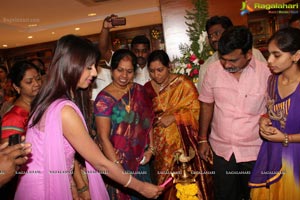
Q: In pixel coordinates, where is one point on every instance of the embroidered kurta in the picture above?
(276, 175)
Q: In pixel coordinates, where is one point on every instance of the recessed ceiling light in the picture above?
(4, 45)
(52, 32)
(30, 37)
(92, 14)
(77, 29)
(32, 25)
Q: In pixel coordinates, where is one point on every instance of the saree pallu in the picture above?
(179, 98)
(14, 122)
(129, 133)
(276, 175)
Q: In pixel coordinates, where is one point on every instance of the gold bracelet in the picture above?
(202, 141)
(285, 142)
(129, 181)
(83, 189)
(152, 149)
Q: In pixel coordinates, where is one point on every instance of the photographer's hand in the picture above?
(107, 24)
(10, 158)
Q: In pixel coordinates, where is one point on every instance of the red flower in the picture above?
(194, 72)
(201, 62)
(193, 57)
(189, 66)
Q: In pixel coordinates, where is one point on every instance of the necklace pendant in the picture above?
(127, 108)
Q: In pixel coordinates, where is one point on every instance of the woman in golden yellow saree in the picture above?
(176, 108)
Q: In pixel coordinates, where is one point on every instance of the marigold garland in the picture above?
(187, 191)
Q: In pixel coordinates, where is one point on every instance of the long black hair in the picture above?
(287, 39)
(72, 55)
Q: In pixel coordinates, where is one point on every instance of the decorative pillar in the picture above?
(174, 26)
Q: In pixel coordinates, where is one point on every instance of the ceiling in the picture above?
(46, 20)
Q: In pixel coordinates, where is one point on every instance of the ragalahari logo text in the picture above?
(246, 8)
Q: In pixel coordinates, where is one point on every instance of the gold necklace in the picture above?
(127, 106)
(161, 86)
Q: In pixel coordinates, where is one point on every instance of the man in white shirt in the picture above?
(140, 46)
(215, 26)
(102, 80)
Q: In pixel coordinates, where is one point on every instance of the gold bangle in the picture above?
(83, 189)
(152, 149)
(129, 181)
(202, 141)
(285, 142)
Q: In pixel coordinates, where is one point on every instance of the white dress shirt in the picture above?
(102, 80)
(142, 75)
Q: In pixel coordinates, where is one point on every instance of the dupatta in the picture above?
(51, 150)
(57, 160)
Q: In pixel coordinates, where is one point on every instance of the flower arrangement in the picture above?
(194, 54)
(187, 191)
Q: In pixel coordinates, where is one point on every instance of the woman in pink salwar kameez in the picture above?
(57, 130)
